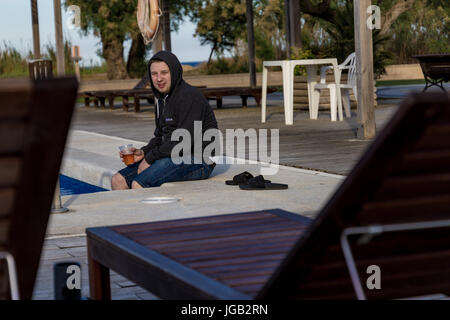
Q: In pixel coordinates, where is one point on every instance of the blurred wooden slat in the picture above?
(12, 134)
(414, 186)
(5, 224)
(15, 99)
(435, 137)
(421, 162)
(6, 200)
(9, 171)
(34, 122)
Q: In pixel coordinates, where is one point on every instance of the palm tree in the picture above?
(342, 36)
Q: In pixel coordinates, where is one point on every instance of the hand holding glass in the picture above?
(127, 154)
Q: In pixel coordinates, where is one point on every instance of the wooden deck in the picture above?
(319, 145)
(311, 144)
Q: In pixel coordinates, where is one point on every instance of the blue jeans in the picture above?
(164, 170)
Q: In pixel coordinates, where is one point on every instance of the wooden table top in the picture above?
(240, 251)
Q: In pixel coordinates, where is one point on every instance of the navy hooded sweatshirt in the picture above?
(183, 105)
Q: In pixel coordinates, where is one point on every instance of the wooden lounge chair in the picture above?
(34, 121)
(392, 213)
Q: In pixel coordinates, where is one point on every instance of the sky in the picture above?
(16, 31)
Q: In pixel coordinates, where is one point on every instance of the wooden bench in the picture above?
(34, 122)
(435, 68)
(99, 97)
(137, 95)
(244, 92)
(391, 213)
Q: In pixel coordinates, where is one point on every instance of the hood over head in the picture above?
(176, 71)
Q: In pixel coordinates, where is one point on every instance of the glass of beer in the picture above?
(128, 155)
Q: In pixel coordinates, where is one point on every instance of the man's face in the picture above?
(160, 73)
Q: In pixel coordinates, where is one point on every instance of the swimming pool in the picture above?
(71, 186)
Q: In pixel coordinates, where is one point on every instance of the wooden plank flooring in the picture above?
(311, 144)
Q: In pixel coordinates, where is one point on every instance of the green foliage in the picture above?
(399, 82)
(220, 24)
(113, 21)
(425, 28)
(12, 63)
(341, 40)
(68, 62)
(381, 56)
(179, 10)
(15, 64)
(342, 32)
(236, 64)
(263, 46)
(298, 54)
(110, 19)
(93, 69)
(137, 64)
(268, 21)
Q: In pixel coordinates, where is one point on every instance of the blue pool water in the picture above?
(70, 186)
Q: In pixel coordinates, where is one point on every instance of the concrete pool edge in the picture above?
(307, 192)
(97, 168)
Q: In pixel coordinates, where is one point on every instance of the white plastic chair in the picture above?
(350, 64)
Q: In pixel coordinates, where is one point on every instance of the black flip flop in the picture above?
(241, 178)
(258, 183)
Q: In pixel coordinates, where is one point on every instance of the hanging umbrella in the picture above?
(148, 13)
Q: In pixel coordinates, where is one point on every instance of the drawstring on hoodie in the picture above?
(157, 105)
(157, 108)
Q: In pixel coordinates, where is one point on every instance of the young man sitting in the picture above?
(177, 106)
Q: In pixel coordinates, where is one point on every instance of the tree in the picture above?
(269, 22)
(336, 18)
(393, 13)
(112, 20)
(136, 64)
(342, 36)
(326, 10)
(425, 28)
(220, 24)
(251, 42)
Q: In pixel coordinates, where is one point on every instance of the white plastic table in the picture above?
(287, 67)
